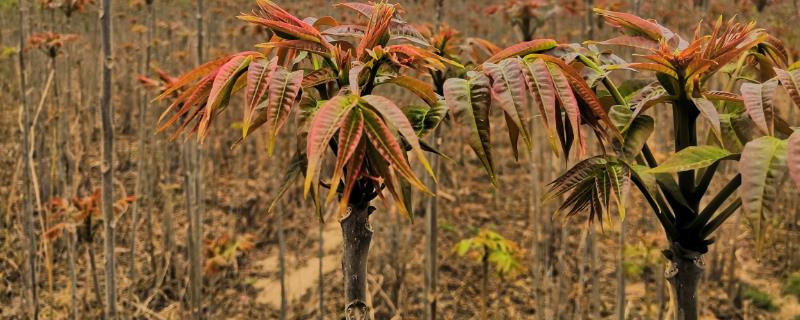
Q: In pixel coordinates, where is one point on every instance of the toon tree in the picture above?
(329, 70)
(333, 78)
(571, 87)
(743, 127)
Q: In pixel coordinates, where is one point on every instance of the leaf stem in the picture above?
(721, 218)
(717, 201)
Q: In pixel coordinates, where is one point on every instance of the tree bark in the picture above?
(106, 113)
(195, 201)
(321, 283)
(431, 212)
(27, 212)
(282, 264)
(485, 284)
(141, 170)
(621, 273)
(683, 274)
(357, 235)
(73, 283)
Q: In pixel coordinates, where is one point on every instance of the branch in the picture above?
(721, 218)
(648, 155)
(705, 181)
(663, 218)
(373, 72)
(715, 203)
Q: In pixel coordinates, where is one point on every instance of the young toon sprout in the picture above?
(569, 84)
(326, 72)
(744, 128)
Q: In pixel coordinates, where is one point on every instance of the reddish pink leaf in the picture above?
(350, 132)
(325, 123)
(396, 118)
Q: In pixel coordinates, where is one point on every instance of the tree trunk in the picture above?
(683, 274)
(141, 170)
(321, 283)
(485, 284)
(621, 273)
(357, 235)
(195, 201)
(431, 211)
(27, 211)
(282, 264)
(107, 197)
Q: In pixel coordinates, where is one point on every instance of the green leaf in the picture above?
(762, 166)
(730, 141)
(470, 101)
(463, 246)
(709, 112)
(691, 158)
(591, 184)
(426, 119)
(647, 178)
(793, 157)
(630, 87)
(759, 102)
(620, 178)
(620, 116)
(292, 173)
(636, 136)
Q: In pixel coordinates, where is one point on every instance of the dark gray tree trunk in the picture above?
(683, 274)
(357, 235)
